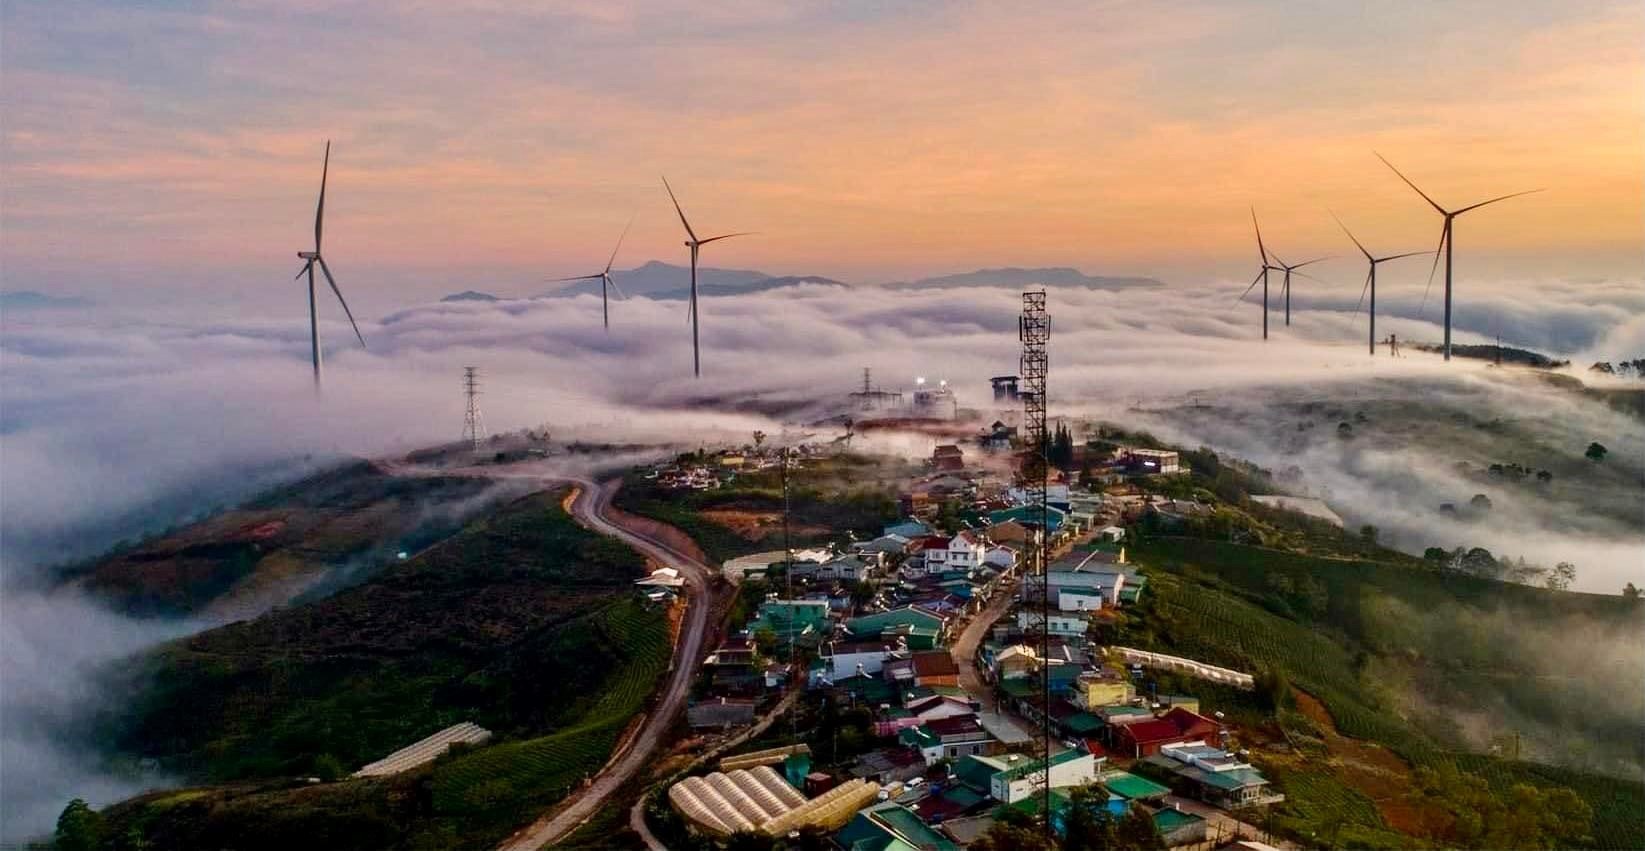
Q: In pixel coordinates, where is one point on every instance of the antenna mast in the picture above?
(1034, 329)
(473, 429)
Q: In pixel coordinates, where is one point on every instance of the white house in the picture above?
(1025, 777)
(966, 550)
(1111, 533)
(843, 659)
(1079, 600)
(1059, 624)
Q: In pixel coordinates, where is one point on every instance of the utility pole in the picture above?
(473, 429)
(1034, 330)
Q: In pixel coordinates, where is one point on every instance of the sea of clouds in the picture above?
(118, 423)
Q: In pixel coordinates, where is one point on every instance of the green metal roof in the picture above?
(1167, 820)
(963, 796)
(1131, 786)
(1081, 723)
(909, 827)
(976, 771)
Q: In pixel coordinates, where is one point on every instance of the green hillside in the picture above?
(524, 623)
(1397, 655)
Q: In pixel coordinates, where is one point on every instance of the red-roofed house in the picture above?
(935, 668)
(1145, 738)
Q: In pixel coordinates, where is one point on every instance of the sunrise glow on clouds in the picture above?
(175, 149)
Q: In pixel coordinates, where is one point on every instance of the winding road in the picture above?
(592, 508)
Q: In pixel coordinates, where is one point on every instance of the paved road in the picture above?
(592, 509)
(964, 649)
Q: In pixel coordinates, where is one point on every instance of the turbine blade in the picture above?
(1277, 260)
(1249, 288)
(340, 300)
(689, 232)
(302, 270)
(612, 282)
(575, 278)
(1306, 275)
(726, 236)
(320, 211)
(1260, 249)
(1444, 234)
(619, 245)
(1351, 235)
(1362, 292)
(1494, 200)
(1312, 262)
(1408, 182)
(1398, 256)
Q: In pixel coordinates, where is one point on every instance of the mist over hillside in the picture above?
(111, 418)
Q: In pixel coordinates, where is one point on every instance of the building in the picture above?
(1179, 726)
(1059, 624)
(1177, 827)
(1147, 462)
(845, 568)
(792, 619)
(1005, 388)
(1026, 776)
(885, 624)
(947, 738)
(1212, 775)
(948, 457)
(1107, 687)
(935, 668)
(720, 713)
(891, 827)
(964, 551)
(843, 659)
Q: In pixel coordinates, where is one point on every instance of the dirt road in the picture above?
(592, 508)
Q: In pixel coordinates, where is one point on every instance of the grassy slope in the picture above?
(524, 622)
(839, 494)
(1211, 600)
(345, 514)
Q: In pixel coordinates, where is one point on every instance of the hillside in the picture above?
(281, 544)
(524, 623)
(1437, 668)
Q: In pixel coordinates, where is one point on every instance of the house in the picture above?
(1058, 624)
(876, 625)
(1013, 662)
(947, 738)
(891, 825)
(1212, 775)
(889, 765)
(948, 457)
(884, 545)
(938, 706)
(1010, 532)
(1131, 787)
(720, 713)
(1111, 533)
(1179, 726)
(964, 551)
(1000, 558)
(1107, 687)
(846, 568)
(1178, 827)
(935, 668)
(909, 528)
(1147, 462)
(1026, 776)
(791, 619)
(843, 659)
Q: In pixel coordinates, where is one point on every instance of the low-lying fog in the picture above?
(113, 425)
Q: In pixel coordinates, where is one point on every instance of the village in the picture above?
(917, 664)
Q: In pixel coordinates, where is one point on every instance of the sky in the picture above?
(169, 152)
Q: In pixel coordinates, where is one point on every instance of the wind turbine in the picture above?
(693, 243)
(1371, 278)
(1288, 269)
(313, 257)
(1262, 275)
(1446, 236)
(607, 283)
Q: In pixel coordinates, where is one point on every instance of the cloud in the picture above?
(116, 422)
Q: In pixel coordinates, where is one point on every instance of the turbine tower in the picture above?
(1286, 287)
(693, 243)
(312, 258)
(607, 283)
(1262, 275)
(1371, 278)
(1446, 236)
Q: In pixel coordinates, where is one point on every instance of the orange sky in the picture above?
(484, 143)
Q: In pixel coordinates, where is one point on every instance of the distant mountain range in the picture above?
(1054, 276)
(31, 300)
(660, 280)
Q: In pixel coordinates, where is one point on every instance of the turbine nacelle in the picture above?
(309, 255)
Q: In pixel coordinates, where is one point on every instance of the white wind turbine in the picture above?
(313, 258)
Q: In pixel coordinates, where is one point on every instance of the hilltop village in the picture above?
(921, 646)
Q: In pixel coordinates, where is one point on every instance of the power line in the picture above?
(473, 428)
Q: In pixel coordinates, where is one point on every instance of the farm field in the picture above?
(1355, 646)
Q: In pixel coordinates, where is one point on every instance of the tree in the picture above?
(1013, 831)
(1368, 533)
(1273, 688)
(1630, 592)
(863, 592)
(79, 828)
(1596, 452)
(1136, 832)
(1438, 555)
(1544, 476)
(1480, 502)
(1561, 577)
(759, 439)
